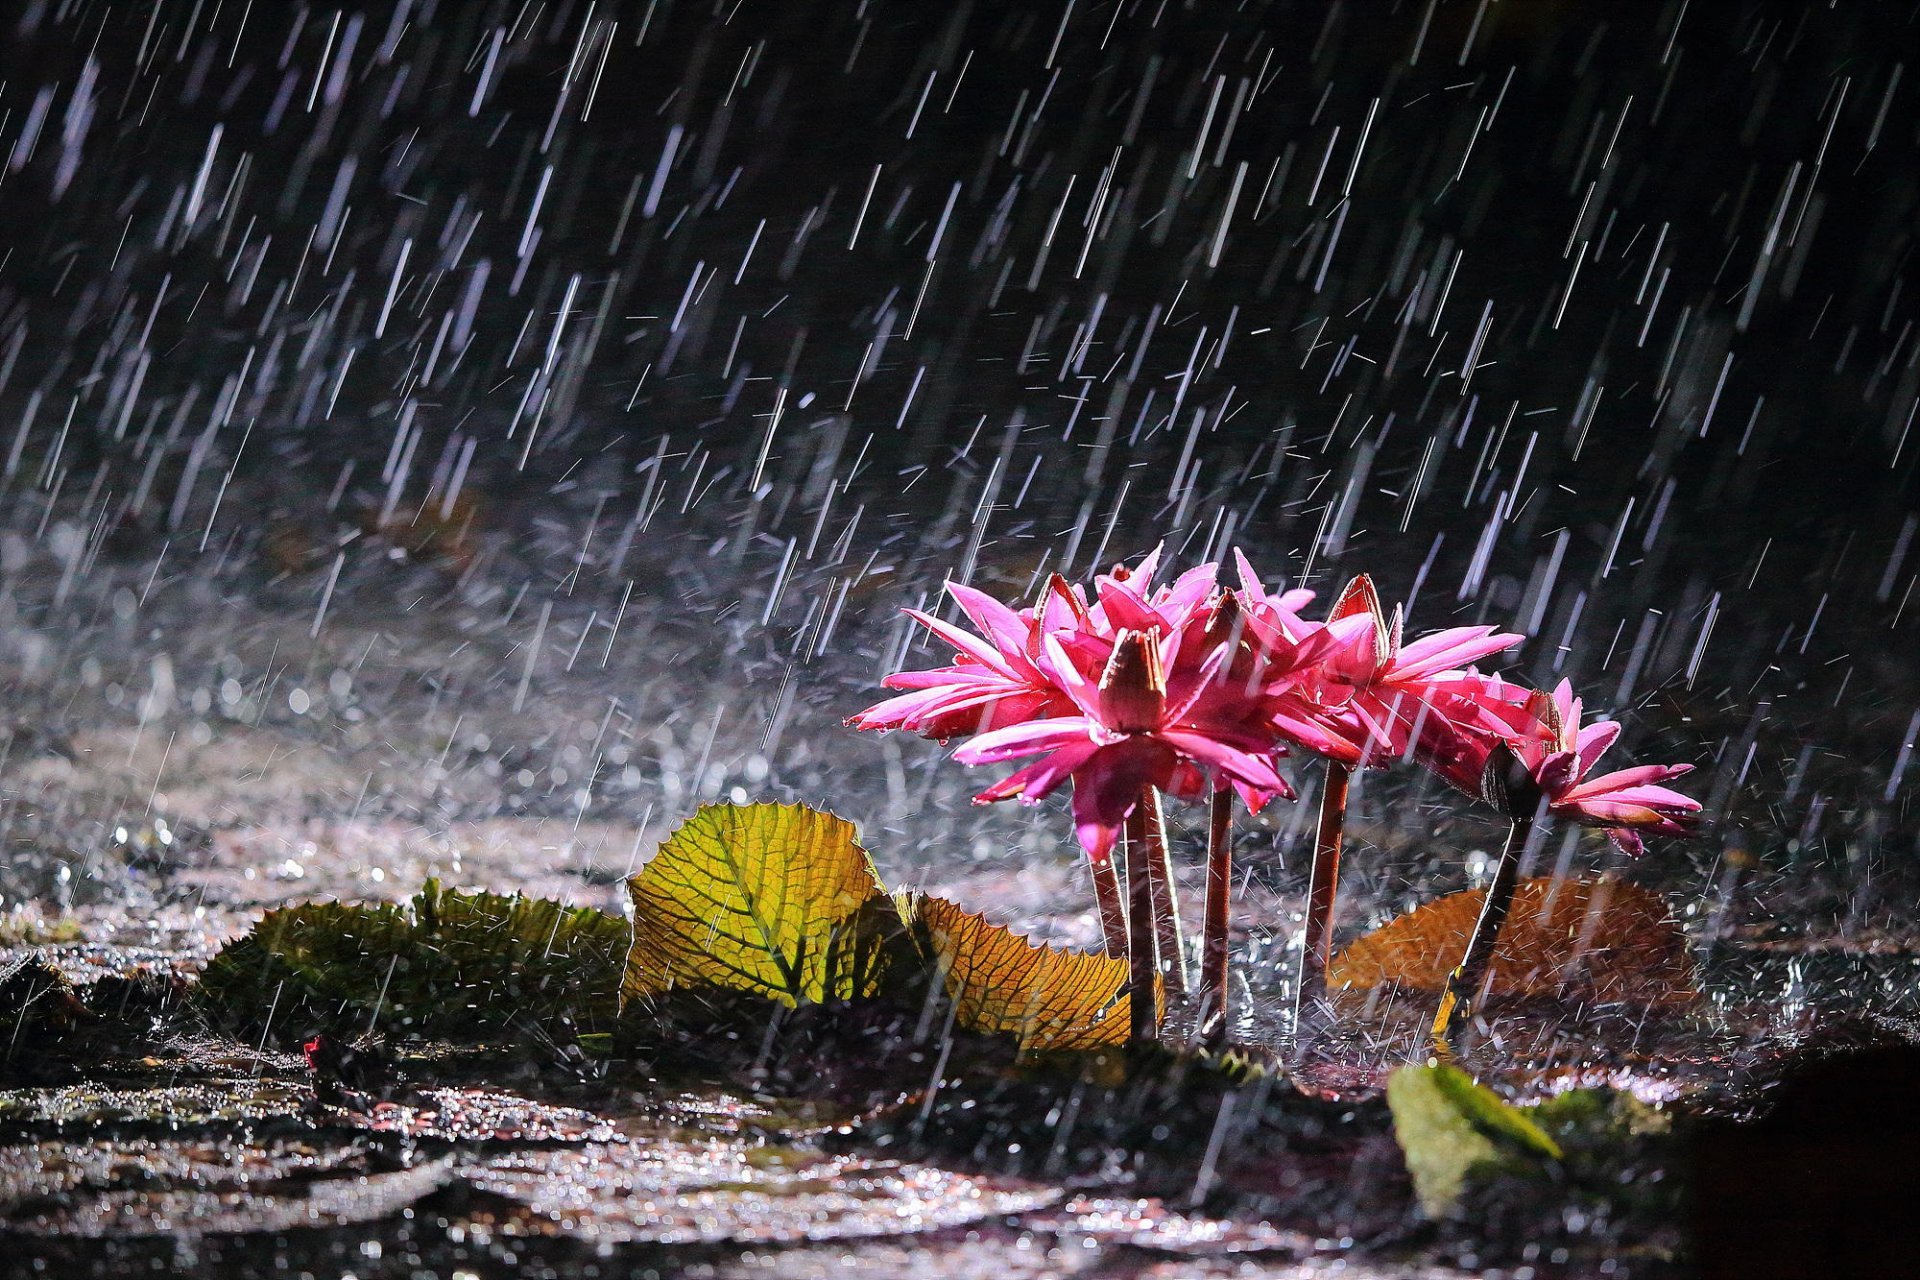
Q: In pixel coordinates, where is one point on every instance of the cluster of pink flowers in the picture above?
(1194, 684)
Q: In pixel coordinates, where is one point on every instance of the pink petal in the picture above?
(1569, 708)
(1646, 797)
(1607, 813)
(1638, 776)
(940, 677)
(1108, 785)
(1059, 613)
(1592, 742)
(1033, 782)
(1294, 601)
(1434, 653)
(1556, 773)
(1124, 609)
(1248, 767)
(1026, 739)
(898, 713)
(996, 621)
(1249, 580)
(1189, 591)
(1256, 799)
(1084, 692)
(1180, 699)
(1628, 842)
(963, 641)
(1315, 736)
(1142, 573)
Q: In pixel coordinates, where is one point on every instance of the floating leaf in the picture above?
(1599, 940)
(1453, 1130)
(1045, 997)
(447, 964)
(778, 900)
(723, 1192)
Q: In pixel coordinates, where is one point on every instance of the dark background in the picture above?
(752, 320)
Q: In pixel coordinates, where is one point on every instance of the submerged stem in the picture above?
(1463, 984)
(1142, 990)
(1213, 946)
(1113, 909)
(1316, 946)
(1168, 939)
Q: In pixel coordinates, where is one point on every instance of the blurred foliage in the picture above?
(447, 964)
(37, 1006)
(1453, 1129)
(1586, 1158)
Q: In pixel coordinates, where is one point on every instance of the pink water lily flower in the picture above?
(1133, 730)
(1384, 696)
(1120, 692)
(1543, 730)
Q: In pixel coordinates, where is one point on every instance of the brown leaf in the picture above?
(1046, 997)
(1596, 940)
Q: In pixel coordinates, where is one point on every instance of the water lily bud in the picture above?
(1223, 618)
(1133, 688)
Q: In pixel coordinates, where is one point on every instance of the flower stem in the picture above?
(1143, 992)
(1213, 947)
(1169, 942)
(1113, 910)
(1316, 947)
(1463, 984)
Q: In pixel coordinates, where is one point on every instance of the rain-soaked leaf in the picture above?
(1598, 940)
(1045, 997)
(1452, 1129)
(120, 1190)
(724, 1192)
(778, 900)
(447, 963)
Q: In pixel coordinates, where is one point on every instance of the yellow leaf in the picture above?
(764, 898)
(1045, 997)
(1594, 940)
